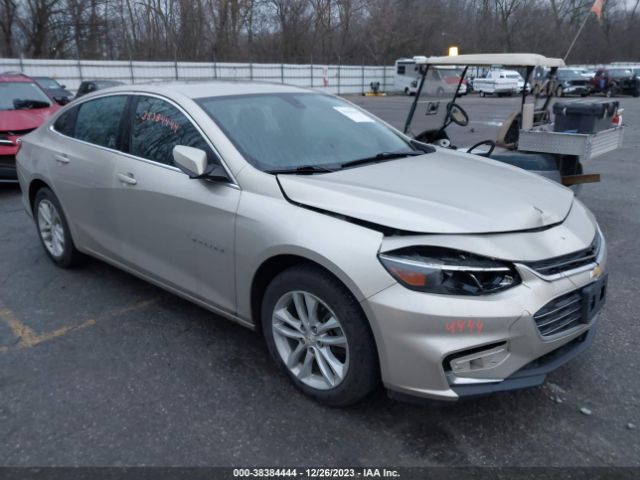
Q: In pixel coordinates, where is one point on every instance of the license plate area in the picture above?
(594, 297)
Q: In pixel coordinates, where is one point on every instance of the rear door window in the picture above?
(98, 121)
(158, 126)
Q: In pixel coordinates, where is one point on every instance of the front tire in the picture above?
(317, 333)
(53, 229)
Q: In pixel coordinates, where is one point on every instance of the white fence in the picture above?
(331, 78)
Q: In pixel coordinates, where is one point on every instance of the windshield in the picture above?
(620, 72)
(435, 96)
(46, 82)
(288, 131)
(455, 73)
(10, 91)
(569, 74)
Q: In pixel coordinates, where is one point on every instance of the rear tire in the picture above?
(318, 335)
(53, 229)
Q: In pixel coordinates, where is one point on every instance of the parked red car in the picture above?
(615, 81)
(23, 107)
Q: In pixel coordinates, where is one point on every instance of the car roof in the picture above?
(505, 59)
(15, 77)
(211, 88)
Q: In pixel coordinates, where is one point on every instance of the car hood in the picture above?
(17, 120)
(58, 92)
(441, 192)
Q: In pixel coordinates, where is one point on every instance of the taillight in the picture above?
(617, 118)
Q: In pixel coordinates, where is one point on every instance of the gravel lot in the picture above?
(100, 368)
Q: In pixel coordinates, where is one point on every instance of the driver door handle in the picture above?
(61, 158)
(127, 178)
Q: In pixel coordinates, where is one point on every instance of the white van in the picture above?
(499, 82)
(439, 81)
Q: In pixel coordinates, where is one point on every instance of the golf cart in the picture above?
(527, 138)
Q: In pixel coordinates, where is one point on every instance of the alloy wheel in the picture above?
(310, 340)
(51, 228)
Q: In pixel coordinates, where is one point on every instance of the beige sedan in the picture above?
(361, 255)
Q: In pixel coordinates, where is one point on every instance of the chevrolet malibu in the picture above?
(360, 254)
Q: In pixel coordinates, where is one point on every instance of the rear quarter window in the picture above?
(66, 122)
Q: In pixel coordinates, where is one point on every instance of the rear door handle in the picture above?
(127, 178)
(61, 158)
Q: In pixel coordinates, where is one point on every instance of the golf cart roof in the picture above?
(505, 59)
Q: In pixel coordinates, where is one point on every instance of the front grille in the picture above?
(560, 314)
(567, 262)
(7, 160)
(18, 133)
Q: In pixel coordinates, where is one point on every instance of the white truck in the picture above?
(498, 82)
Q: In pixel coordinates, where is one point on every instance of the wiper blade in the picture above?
(26, 103)
(303, 170)
(381, 157)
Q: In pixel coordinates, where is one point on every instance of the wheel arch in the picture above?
(276, 264)
(36, 185)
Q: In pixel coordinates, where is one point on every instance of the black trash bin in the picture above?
(578, 117)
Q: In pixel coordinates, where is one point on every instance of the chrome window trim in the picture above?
(232, 183)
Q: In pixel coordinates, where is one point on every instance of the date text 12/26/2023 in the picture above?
(315, 473)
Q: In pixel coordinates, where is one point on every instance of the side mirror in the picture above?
(63, 86)
(193, 162)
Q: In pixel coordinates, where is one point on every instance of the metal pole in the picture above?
(251, 71)
(384, 78)
(311, 72)
(21, 63)
(577, 35)
(282, 73)
(131, 70)
(215, 70)
(338, 75)
(414, 104)
(80, 69)
(363, 92)
(175, 66)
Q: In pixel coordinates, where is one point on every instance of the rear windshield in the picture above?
(12, 91)
(46, 82)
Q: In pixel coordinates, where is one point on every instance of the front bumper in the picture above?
(531, 375)
(8, 163)
(576, 90)
(444, 347)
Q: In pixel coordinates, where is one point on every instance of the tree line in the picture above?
(314, 31)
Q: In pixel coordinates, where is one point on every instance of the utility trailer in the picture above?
(527, 137)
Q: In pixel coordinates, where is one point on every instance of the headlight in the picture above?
(446, 271)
